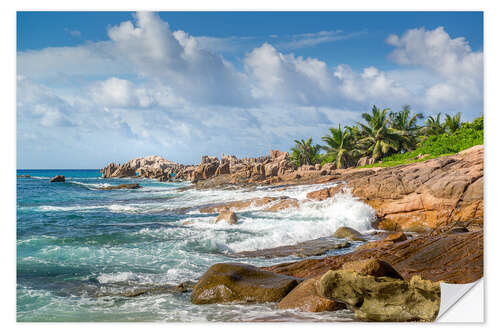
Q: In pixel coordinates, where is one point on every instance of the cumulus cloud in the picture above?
(151, 90)
(452, 59)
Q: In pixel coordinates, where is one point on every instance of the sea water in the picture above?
(80, 248)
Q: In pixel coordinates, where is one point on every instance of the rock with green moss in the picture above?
(382, 298)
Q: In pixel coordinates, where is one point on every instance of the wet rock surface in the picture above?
(305, 298)
(121, 187)
(240, 283)
(58, 179)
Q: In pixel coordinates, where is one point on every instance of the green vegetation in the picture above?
(447, 143)
(305, 153)
(391, 138)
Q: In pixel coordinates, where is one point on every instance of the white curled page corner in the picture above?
(451, 300)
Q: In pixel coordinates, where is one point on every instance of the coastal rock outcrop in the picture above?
(452, 258)
(422, 196)
(145, 167)
(240, 283)
(382, 298)
(58, 179)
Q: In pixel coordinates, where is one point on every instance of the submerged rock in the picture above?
(240, 283)
(58, 179)
(23, 176)
(121, 186)
(228, 216)
(348, 233)
(306, 298)
(382, 298)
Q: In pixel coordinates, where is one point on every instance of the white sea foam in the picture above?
(117, 277)
(311, 220)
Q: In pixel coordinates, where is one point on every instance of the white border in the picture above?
(492, 111)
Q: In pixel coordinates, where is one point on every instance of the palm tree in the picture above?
(407, 127)
(305, 153)
(434, 125)
(340, 146)
(378, 139)
(452, 123)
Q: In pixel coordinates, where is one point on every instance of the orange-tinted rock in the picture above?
(240, 205)
(374, 244)
(304, 297)
(228, 216)
(325, 193)
(396, 237)
(452, 258)
(372, 267)
(283, 204)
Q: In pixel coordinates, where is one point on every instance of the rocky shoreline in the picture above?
(429, 217)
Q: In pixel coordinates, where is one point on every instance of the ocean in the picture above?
(81, 250)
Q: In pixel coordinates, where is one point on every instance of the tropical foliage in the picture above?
(341, 146)
(391, 138)
(305, 153)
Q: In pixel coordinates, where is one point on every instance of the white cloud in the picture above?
(452, 59)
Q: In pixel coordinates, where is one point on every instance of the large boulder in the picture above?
(240, 283)
(58, 179)
(228, 216)
(305, 298)
(382, 298)
(348, 233)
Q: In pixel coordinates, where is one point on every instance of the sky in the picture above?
(97, 87)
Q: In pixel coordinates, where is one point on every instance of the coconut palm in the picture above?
(452, 123)
(340, 146)
(305, 153)
(378, 139)
(434, 125)
(407, 127)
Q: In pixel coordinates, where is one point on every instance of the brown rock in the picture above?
(305, 298)
(452, 258)
(283, 204)
(240, 205)
(58, 179)
(383, 298)
(372, 267)
(396, 237)
(374, 244)
(348, 233)
(240, 283)
(121, 186)
(228, 216)
(325, 193)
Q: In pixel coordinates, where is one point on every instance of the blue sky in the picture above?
(95, 87)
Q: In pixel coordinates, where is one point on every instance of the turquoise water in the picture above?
(79, 248)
